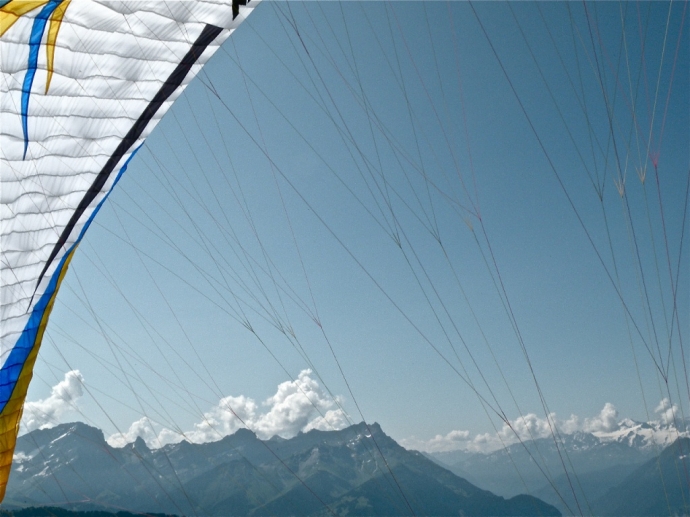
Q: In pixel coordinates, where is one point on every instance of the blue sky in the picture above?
(413, 139)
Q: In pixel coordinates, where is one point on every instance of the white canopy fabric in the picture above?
(84, 82)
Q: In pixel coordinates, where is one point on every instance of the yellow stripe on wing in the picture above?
(11, 12)
(55, 22)
(12, 413)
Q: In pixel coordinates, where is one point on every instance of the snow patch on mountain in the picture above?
(643, 434)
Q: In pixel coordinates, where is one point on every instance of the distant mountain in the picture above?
(525, 466)
(356, 471)
(594, 462)
(661, 486)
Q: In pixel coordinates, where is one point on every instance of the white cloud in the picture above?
(299, 405)
(302, 405)
(141, 427)
(49, 411)
(292, 407)
(529, 427)
(606, 421)
(454, 440)
(572, 425)
(332, 419)
(606, 425)
(223, 419)
(666, 411)
(523, 428)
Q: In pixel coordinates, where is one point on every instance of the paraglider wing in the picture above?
(83, 84)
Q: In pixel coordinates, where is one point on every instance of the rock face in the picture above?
(356, 471)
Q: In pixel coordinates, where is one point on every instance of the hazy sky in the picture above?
(428, 194)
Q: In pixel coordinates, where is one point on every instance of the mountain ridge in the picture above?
(355, 471)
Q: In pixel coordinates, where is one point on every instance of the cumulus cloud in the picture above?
(292, 407)
(302, 405)
(529, 427)
(452, 441)
(523, 428)
(526, 427)
(571, 425)
(607, 425)
(666, 411)
(223, 419)
(49, 411)
(142, 427)
(332, 419)
(606, 421)
(299, 405)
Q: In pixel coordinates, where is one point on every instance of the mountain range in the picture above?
(603, 469)
(356, 471)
